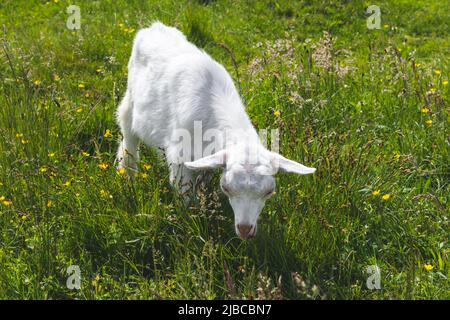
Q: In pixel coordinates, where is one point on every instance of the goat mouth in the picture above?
(250, 234)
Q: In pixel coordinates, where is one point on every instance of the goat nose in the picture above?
(245, 230)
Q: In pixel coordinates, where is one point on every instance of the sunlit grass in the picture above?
(368, 108)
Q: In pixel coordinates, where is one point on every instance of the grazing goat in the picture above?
(175, 90)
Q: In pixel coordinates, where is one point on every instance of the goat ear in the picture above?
(215, 160)
(286, 165)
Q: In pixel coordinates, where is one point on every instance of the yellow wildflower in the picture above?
(49, 203)
(79, 110)
(103, 166)
(437, 72)
(147, 167)
(105, 194)
(2, 198)
(51, 154)
(37, 82)
(56, 77)
(43, 170)
(144, 175)
(429, 122)
(445, 82)
(23, 141)
(81, 86)
(121, 171)
(277, 114)
(425, 110)
(84, 154)
(95, 281)
(107, 133)
(417, 65)
(386, 197)
(428, 267)
(7, 202)
(376, 193)
(19, 135)
(67, 184)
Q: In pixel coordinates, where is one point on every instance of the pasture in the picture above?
(369, 108)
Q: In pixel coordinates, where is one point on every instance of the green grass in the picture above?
(355, 113)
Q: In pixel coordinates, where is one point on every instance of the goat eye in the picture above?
(268, 194)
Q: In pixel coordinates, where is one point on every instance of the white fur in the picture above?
(172, 84)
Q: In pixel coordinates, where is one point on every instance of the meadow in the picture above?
(369, 108)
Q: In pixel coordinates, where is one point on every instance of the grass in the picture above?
(368, 108)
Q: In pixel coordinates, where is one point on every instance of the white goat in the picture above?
(172, 87)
